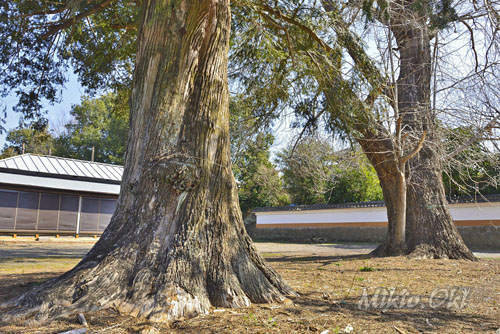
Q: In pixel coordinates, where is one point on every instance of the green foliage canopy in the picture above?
(258, 180)
(40, 41)
(101, 123)
(38, 141)
(315, 173)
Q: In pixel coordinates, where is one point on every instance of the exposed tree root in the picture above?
(426, 251)
(181, 289)
(86, 290)
(386, 249)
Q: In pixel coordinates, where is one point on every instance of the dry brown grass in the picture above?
(330, 288)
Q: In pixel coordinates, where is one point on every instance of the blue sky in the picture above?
(71, 94)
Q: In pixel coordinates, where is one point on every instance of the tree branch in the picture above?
(54, 29)
(296, 23)
(350, 42)
(345, 38)
(417, 149)
(473, 44)
(477, 137)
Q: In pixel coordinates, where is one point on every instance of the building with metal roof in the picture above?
(52, 195)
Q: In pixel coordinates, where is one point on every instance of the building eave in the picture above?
(78, 184)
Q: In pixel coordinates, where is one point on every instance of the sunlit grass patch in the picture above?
(272, 254)
(33, 265)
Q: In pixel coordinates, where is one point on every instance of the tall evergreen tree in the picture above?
(176, 244)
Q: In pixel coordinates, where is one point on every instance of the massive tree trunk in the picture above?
(176, 244)
(430, 229)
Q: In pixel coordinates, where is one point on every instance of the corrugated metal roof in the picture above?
(62, 167)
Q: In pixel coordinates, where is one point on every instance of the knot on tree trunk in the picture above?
(179, 170)
(180, 175)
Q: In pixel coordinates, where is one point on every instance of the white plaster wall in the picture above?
(463, 211)
(352, 215)
(480, 211)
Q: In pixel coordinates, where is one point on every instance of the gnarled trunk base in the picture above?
(441, 248)
(431, 232)
(175, 283)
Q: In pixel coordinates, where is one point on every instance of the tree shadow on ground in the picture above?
(13, 285)
(7, 254)
(353, 246)
(422, 318)
(319, 258)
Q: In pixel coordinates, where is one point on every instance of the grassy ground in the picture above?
(337, 286)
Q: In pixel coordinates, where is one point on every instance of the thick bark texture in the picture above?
(176, 244)
(430, 229)
(381, 154)
(431, 232)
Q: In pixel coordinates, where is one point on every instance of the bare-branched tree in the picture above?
(374, 70)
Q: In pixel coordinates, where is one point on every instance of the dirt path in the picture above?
(28, 248)
(77, 248)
